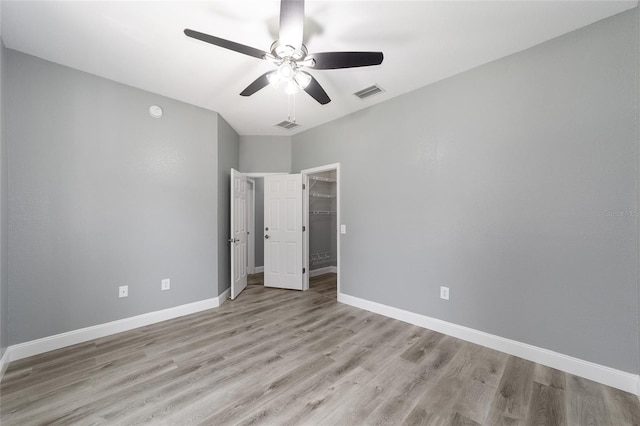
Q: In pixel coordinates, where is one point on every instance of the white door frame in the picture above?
(305, 218)
(251, 225)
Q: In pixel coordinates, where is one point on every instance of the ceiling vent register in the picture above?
(369, 91)
(287, 125)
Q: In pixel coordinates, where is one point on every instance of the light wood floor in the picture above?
(277, 357)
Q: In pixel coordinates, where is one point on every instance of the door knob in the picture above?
(266, 237)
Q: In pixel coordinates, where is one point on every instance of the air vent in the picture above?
(287, 125)
(369, 91)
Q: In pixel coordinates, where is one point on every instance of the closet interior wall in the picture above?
(322, 222)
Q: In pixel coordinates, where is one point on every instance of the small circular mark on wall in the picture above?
(155, 111)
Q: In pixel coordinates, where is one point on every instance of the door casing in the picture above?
(251, 225)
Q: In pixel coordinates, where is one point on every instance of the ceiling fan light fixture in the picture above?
(302, 79)
(291, 88)
(286, 71)
(274, 78)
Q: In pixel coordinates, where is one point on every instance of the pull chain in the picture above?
(291, 111)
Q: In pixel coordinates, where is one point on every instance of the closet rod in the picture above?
(318, 195)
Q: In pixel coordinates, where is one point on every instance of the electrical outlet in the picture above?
(343, 229)
(444, 293)
(166, 284)
(123, 291)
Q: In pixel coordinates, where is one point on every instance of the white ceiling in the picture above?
(141, 44)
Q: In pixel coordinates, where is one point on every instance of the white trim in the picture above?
(324, 270)
(319, 169)
(221, 298)
(599, 373)
(259, 269)
(50, 343)
(4, 362)
(251, 225)
(254, 175)
(305, 235)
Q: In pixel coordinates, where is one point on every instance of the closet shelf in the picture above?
(322, 179)
(323, 262)
(318, 195)
(322, 212)
(322, 258)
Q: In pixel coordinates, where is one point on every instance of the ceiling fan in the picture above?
(290, 56)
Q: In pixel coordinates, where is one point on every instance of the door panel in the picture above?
(291, 264)
(283, 232)
(238, 238)
(274, 255)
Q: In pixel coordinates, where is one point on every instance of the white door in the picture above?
(238, 233)
(283, 231)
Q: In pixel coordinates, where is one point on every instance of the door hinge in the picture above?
(304, 186)
(304, 228)
(304, 270)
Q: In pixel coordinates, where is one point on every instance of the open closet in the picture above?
(322, 223)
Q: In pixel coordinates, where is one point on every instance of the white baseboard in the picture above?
(258, 269)
(4, 362)
(50, 343)
(325, 270)
(224, 296)
(599, 373)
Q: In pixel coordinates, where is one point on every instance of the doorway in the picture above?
(320, 245)
(255, 216)
(321, 215)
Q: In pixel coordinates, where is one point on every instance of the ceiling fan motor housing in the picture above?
(282, 51)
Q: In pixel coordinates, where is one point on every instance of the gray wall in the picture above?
(228, 146)
(265, 154)
(515, 184)
(101, 195)
(4, 287)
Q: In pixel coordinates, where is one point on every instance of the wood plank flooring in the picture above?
(281, 357)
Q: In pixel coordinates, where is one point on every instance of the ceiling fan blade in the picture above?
(258, 84)
(291, 23)
(231, 45)
(316, 91)
(335, 60)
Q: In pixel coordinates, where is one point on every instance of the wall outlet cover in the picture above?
(444, 293)
(166, 284)
(123, 291)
